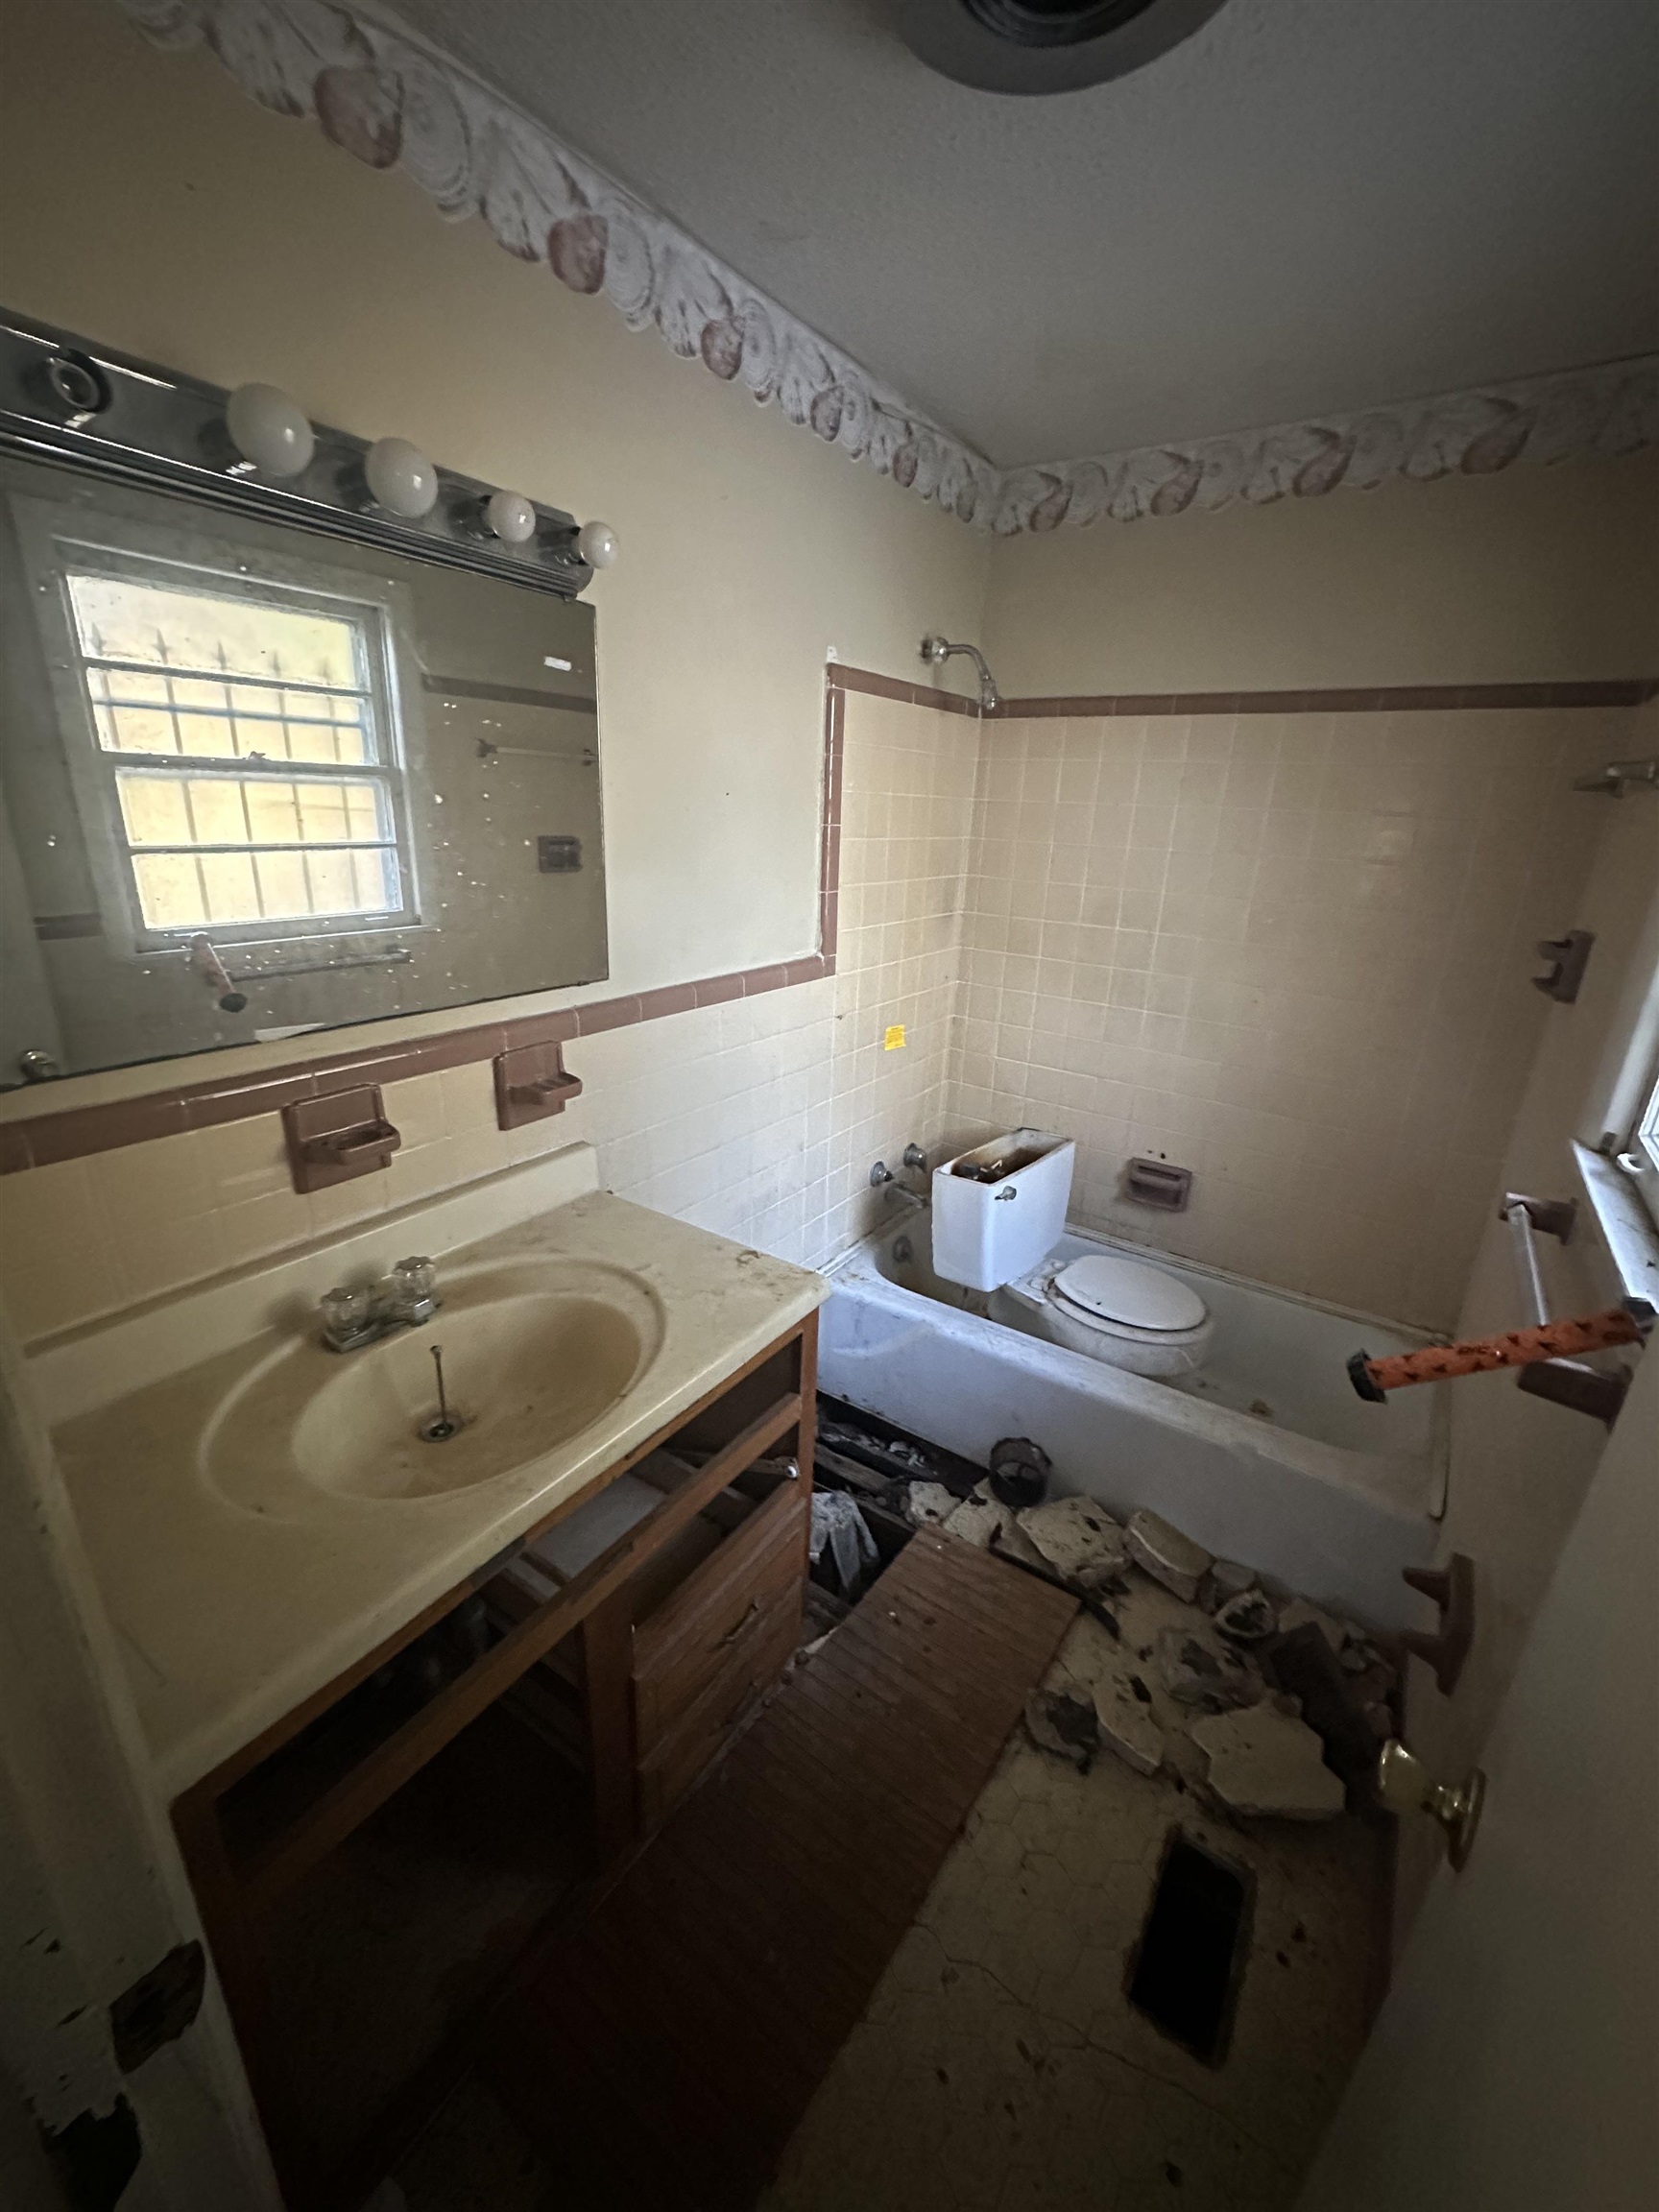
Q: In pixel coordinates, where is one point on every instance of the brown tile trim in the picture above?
(842, 677)
(82, 1130)
(42, 1140)
(45, 1139)
(1389, 698)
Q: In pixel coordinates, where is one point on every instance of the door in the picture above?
(1515, 2063)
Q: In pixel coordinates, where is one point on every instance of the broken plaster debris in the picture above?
(1123, 1709)
(929, 1503)
(1199, 1671)
(1064, 1724)
(1167, 1555)
(979, 1517)
(1264, 1762)
(1079, 1538)
(1301, 1661)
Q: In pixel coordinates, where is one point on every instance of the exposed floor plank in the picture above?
(666, 2051)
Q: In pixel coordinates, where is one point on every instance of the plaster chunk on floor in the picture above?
(979, 1517)
(1064, 1723)
(1167, 1555)
(1199, 1671)
(929, 1503)
(1228, 1580)
(1123, 1709)
(1262, 1762)
(1078, 1538)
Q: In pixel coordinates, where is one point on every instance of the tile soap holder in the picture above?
(1155, 1183)
(532, 1082)
(337, 1139)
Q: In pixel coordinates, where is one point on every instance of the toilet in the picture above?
(997, 1214)
(1127, 1312)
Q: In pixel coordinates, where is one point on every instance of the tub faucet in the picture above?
(882, 1177)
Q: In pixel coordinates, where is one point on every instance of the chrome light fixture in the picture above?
(255, 451)
(1044, 45)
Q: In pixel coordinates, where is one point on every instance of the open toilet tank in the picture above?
(998, 1212)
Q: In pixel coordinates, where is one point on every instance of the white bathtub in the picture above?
(1269, 1457)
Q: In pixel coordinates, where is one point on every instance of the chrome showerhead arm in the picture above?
(937, 650)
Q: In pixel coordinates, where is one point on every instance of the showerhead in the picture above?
(935, 651)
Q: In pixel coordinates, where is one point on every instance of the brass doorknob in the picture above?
(1405, 1785)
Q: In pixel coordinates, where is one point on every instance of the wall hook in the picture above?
(1567, 957)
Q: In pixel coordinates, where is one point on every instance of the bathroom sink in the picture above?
(532, 1355)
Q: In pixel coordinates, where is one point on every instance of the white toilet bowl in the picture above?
(1126, 1313)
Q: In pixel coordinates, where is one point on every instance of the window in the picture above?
(1644, 1147)
(244, 753)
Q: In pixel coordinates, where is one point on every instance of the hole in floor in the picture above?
(1186, 1969)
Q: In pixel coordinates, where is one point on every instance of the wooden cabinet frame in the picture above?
(235, 1888)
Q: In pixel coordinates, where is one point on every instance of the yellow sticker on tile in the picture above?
(894, 1040)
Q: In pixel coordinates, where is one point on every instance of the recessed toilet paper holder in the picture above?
(1156, 1183)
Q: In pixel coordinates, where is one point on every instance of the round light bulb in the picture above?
(511, 517)
(268, 430)
(400, 477)
(596, 542)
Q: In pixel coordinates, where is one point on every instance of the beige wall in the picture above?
(758, 1118)
(1520, 1466)
(1290, 952)
(146, 201)
(1532, 576)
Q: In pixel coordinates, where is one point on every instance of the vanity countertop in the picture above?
(228, 1617)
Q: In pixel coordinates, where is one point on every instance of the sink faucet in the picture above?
(355, 1314)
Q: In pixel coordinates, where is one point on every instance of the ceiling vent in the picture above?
(1044, 45)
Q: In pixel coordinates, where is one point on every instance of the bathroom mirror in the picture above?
(256, 781)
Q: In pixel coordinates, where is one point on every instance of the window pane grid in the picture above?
(197, 698)
(207, 717)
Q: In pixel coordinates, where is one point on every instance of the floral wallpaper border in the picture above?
(391, 100)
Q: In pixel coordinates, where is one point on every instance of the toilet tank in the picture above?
(1000, 1207)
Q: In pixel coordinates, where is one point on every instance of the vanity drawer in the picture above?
(706, 1628)
(668, 1770)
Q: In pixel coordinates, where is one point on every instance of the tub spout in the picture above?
(882, 1177)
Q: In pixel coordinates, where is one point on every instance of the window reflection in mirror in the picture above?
(254, 783)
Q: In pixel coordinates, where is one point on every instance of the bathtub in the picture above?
(1269, 1456)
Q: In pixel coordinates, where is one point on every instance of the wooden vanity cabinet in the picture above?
(634, 1669)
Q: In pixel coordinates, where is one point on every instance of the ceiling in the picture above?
(1313, 205)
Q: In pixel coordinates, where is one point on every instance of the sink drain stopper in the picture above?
(444, 1424)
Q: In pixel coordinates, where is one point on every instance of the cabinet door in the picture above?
(710, 1623)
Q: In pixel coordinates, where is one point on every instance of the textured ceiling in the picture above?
(1313, 205)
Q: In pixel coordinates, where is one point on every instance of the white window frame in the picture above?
(1640, 1158)
(87, 546)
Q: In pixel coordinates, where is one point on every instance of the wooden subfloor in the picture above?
(663, 2054)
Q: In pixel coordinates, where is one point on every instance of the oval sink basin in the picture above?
(531, 1357)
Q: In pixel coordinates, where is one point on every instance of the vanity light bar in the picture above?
(71, 401)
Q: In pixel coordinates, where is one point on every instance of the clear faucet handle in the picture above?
(347, 1310)
(411, 1289)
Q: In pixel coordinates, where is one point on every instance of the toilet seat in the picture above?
(1128, 1297)
(1129, 1314)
